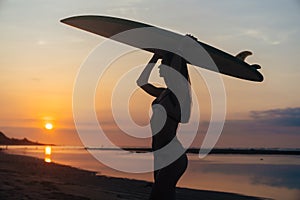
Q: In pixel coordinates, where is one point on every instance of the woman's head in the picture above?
(176, 62)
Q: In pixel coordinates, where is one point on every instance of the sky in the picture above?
(41, 57)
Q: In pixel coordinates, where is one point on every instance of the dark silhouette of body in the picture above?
(166, 178)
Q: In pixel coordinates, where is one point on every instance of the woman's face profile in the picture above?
(163, 70)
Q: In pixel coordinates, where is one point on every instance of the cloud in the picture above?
(127, 7)
(265, 35)
(280, 117)
(261, 35)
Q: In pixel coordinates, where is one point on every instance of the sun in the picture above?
(48, 126)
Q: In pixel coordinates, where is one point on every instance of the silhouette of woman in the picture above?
(171, 107)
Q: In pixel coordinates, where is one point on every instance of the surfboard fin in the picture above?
(243, 55)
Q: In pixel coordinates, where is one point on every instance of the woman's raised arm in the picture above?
(142, 81)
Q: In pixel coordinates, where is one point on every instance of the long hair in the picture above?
(183, 86)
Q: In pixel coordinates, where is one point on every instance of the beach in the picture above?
(24, 177)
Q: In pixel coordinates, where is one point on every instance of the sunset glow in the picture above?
(49, 126)
(39, 68)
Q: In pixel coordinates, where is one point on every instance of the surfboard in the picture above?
(108, 27)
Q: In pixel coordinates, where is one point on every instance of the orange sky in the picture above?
(41, 58)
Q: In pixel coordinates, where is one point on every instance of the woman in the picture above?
(171, 107)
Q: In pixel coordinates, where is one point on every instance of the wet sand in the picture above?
(24, 177)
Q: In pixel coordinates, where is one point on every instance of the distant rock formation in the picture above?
(4, 140)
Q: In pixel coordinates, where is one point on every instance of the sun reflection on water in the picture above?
(48, 151)
(47, 160)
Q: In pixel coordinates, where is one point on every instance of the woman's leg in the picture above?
(164, 187)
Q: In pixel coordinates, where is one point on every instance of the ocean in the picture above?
(270, 176)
